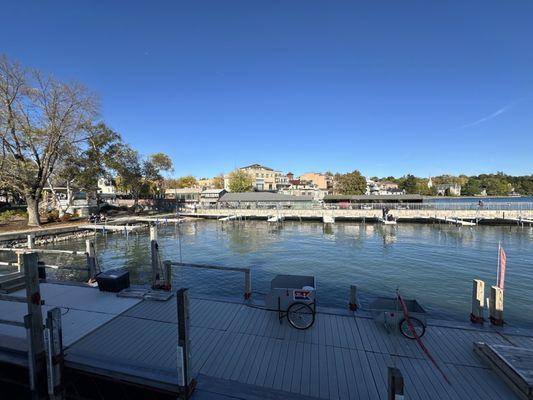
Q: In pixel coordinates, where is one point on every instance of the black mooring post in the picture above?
(185, 381)
(394, 384)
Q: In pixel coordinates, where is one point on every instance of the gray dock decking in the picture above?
(341, 357)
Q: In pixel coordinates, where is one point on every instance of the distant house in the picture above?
(211, 196)
(106, 186)
(448, 189)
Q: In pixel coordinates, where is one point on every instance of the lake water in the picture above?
(433, 263)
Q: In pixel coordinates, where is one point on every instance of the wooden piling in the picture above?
(34, 323)
(353, 298)
(31, 241)
(54, 354)
(168, 274)
(496, 306)
(19, 261)
(91, 259)
(394, 384)
(185, 382)
(478, 300)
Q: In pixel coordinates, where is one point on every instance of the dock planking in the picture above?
(342, 356)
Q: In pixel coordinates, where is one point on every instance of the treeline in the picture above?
(51, 138)
(498, 184)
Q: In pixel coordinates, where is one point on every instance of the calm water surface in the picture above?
(433, 263)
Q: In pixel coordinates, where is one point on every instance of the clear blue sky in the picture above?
(387, 87)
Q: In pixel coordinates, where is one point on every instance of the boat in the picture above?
(387, 222)
(275, 218)
(327, 219)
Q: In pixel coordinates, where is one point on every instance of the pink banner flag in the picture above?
(503, 261)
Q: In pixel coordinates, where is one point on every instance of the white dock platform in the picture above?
(228, 218)
(113, 228)
(455, 221)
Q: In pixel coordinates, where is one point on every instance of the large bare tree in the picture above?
(41, 120)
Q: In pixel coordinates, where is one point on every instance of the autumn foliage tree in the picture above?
(41, 121)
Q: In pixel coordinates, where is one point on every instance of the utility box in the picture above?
(113, 280)
(290, 289)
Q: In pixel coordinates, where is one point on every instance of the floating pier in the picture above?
(455, 221)
(244, 351)
(228, 218)
(112, 228)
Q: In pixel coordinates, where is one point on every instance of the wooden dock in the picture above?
(240, 350)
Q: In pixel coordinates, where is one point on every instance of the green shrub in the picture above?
(66, 217)
(8, 215)
(52, 216)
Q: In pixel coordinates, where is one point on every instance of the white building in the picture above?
(304, 188)
(106, 186)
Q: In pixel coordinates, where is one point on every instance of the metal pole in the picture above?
(394, 384)
(54, 353)
(185, 382)
(353, 298)
(154, 255)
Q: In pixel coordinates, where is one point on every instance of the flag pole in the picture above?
(498, 269)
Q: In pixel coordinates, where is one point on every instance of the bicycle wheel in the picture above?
(418, 326)
(300, 315)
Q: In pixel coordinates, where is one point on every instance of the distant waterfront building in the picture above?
(211, 196)
(265, 177)
(282, 180)
(184, 195)
(449, 189)
(361, 199)
(300, 187)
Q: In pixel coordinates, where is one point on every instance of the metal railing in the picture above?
(246, 271)
(435, 205)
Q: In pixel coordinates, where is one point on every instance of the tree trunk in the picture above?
(33, 211)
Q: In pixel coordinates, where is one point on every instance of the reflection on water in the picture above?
(433, 263)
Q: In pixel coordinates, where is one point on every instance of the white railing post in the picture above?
(154, 253)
